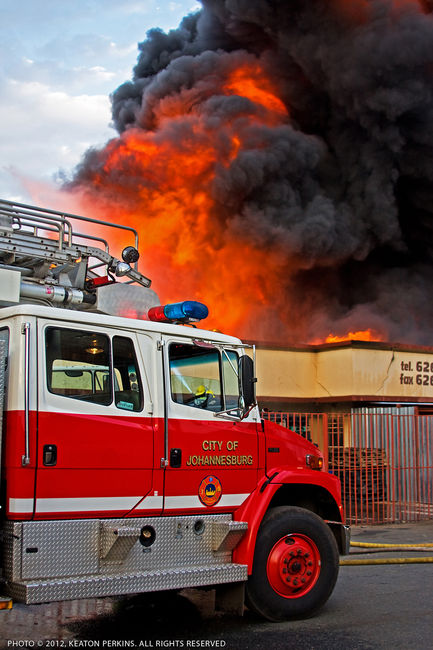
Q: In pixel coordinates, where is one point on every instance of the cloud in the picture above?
(43, 130)
(56, 73)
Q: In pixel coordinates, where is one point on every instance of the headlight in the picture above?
(314, 462)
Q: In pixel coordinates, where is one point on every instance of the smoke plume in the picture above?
(277, 158)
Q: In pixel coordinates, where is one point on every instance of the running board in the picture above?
(44, 591)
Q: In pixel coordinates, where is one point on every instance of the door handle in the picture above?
(175, 457)
(49, 455)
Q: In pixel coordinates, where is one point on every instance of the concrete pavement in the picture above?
(371, 607)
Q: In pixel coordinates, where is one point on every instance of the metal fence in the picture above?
(383, 458)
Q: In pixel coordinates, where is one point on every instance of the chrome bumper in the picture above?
(342, 534)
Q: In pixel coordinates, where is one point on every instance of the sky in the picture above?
(59, 62)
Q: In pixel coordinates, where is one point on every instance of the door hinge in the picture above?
(160, 345)
(164, 463)
(149, 407)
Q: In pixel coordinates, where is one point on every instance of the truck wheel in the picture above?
(295, 566)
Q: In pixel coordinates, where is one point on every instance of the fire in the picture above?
(233, 192)
(361, 335)
(355, 11)
(251, 82)
(360, 11)
(161, 182)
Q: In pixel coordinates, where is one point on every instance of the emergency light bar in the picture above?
(186, 312)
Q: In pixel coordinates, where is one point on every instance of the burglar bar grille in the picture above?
(383, 458)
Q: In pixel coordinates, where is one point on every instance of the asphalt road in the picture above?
(381, 606)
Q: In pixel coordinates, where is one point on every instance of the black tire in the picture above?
(295, 566)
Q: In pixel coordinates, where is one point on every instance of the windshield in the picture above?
(204, 378)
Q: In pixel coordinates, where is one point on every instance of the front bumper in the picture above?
(342, 533)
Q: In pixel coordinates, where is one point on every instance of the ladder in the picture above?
(46, 248)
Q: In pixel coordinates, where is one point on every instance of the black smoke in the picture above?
(344, 187)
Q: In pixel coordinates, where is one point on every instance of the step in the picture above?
(96, 586)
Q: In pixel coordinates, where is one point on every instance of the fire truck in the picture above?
(134, 456)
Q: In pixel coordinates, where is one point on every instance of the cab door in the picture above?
(213, 457)
(95, 429)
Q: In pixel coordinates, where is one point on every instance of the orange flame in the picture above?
(361, 335)
(193, 244)
(250, 81)
(161, 183)
(358, 12)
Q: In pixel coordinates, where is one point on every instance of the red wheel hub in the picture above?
(293, 565)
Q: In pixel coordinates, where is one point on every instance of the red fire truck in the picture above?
(134, 455)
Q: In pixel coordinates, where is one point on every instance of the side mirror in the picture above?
(247, 381)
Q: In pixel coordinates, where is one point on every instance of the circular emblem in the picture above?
(210, 491)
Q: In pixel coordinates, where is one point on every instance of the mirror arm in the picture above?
(230, 362)
(248, 411)
(227, 414)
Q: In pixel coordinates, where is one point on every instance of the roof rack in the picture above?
(47, 249)
(37, 240)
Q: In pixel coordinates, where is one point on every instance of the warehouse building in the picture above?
(369, 407)
(342, 376)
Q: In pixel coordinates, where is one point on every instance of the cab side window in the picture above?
(127, 384)
(195, 376)
(78, 364)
